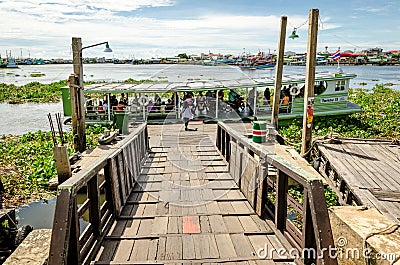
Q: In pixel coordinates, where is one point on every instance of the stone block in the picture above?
(34, 250)
(364, 236)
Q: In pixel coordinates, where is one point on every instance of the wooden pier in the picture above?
(170, 196)
(363, 172)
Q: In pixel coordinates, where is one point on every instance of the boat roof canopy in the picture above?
(204, 85)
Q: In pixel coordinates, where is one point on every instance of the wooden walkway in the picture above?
(364, 172)
(186, 208)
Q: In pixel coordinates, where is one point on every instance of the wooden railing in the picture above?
(267, 181)
(88, 202)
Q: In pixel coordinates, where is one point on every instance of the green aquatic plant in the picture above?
(27, 163)
(380, 118)
(42, 93)
(31, 92)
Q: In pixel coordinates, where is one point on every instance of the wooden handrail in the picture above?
(120, 167)
(315, 233)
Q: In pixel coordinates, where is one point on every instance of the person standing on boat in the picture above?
(267, 95)
(201, 104)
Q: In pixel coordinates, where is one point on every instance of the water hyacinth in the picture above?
(27, 163)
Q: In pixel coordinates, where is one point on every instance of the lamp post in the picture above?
(76, 92)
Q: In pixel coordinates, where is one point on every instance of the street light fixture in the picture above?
(76, 92)
(294, 34)
(107, 49)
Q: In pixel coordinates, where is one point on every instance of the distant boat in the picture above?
(257, 66)
(8, 63)
(257, 62)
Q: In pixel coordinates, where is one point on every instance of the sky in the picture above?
(160, 28)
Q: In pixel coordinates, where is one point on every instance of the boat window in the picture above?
(340, 85)
(320, 87)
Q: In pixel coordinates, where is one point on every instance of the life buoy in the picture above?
(294, 91)
(143, 101)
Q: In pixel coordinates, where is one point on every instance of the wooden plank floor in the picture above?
(186, 208)
(371, 170)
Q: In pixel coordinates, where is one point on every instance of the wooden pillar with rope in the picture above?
(308, 115)
(278, 74)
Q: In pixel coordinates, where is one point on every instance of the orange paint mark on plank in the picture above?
(191, 224)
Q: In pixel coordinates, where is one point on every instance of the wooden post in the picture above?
(321, 223)
(310, 79)
(77, 97)
(281, 201)
(279, 71)
(63, 166)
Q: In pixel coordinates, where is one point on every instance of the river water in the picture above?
(19, 119)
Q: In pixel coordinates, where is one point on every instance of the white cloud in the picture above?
(46, 28)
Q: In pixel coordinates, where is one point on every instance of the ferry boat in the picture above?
(235, 100)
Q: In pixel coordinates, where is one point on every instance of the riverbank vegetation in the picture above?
(27, 164)
(42, 93)
(31, 92)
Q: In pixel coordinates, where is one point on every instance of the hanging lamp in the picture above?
(294, 34)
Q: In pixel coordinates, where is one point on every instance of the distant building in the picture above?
(290, 53)
(373, 52)
(101, 60)
(173, 59)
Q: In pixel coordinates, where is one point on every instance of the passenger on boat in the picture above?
(123, 99)
(267, 96)
(150, 106)
(250, 98)
(90, 110)
(121, 106)
(221, 94)
(114, 102)
(100, 106)
(201, 104)
(100, 110)
(162, 107)
(170, 105)
(157, 100)
(285, 100)
(235, 100)
(105, 105)
(319, 88)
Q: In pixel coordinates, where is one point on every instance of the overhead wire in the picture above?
(341, 39)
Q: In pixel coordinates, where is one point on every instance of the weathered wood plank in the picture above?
(242, 245)
(160, 225)
(174, 248)
(217, 224)
(233, 224)
(225, 246)
(140, 250)
(188, 247)
(123, 252)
